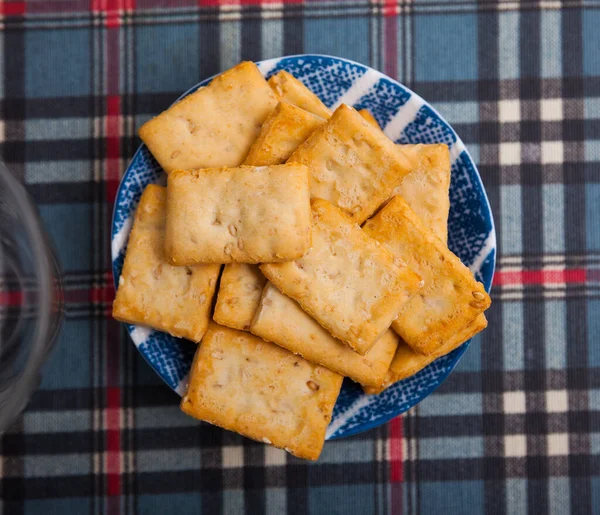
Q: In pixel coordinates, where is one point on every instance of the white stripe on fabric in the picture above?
(274, 457)
(232, 456)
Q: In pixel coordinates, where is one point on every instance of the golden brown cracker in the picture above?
(255, 388)
(246, 215)
(450, 297)
(215, 125)
(154, 293)
(347, 281)
(352, 164)
(290, 89)
(280, 320)
(239, 295)
(407, 362)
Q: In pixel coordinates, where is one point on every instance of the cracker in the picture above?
(368, 117)
(289, 88)
(284, 130)
(239, 295)
(214, 126)
(347, 281)
(407, 362)
(153, 293)
(255, 388)
(241, 284)
(352, 164)
(246, 215)
(426, 189)
(281, 320)
(450, 297)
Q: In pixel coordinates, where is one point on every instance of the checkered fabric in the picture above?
(516, 427)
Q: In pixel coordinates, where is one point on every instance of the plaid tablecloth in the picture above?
(515, 429)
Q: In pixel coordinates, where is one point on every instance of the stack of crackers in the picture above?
(322, 240)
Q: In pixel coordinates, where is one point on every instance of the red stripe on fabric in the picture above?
(11, 298)
(391, 38)
(524, 277)
(113, 146)
(390, 7)
(98, 6)
(396, 465)
(12, 8)
(269, 2)
(396, 473)
(96, 295)
(214, 3)
(106, 294)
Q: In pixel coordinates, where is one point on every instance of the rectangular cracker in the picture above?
(245, 215)
(289, 88)
(239, 295)
(352, 164)
(281, 320)
(450, 297)
(368, 117)
(214, 126)
(347, 281)
(284, 130)
(241, 284)
(407, 362)
(426, 189)
(255, 388)
(152, 292)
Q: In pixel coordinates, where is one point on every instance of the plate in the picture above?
(406, 118)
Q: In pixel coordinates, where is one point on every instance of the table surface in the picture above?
(515, 428)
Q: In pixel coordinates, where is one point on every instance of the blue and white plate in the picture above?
(406, 118)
